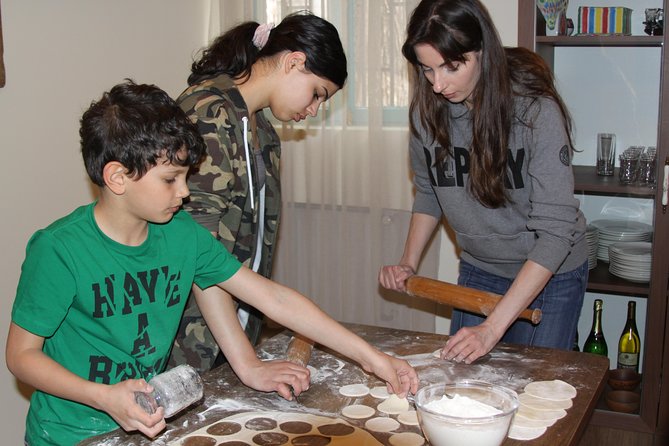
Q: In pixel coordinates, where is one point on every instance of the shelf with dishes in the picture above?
(600, 40)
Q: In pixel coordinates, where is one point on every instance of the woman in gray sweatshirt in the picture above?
(491, 151)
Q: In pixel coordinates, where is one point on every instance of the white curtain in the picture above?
(346, 182)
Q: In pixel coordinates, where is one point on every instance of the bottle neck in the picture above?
(631, 316)
(597, 321)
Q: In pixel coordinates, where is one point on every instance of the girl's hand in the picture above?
(399, 376)
(277, 376)
(118, 400)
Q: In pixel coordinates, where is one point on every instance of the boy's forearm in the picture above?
(27, 361)
(218, 309)
(295, 311)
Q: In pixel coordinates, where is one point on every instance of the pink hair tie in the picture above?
(261, 35)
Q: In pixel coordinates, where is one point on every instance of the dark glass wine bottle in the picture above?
(595, 343)
(629, 345)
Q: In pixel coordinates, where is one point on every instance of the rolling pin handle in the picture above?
(536, 316)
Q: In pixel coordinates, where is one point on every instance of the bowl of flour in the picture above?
(466, 412)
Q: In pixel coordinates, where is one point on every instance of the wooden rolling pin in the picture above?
(299, 350)
(460, 297)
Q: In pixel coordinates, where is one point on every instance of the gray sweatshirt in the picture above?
(543, 222)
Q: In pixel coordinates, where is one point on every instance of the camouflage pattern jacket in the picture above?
(221, 198)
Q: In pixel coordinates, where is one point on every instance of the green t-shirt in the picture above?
(108, 312)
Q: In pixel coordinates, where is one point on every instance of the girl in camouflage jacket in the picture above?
(236, 193)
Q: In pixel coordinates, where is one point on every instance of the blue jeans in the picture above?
(560, 302)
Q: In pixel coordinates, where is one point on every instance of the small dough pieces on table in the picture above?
(410, 418)
(551, 390)
(394, 405)
(358, 411)
(406, 439)
(354, 390)
(380, 392)
(381, 424)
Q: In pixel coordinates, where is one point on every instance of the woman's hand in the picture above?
(277, 376)
(118, 400)
(470, 343)
(393, 277)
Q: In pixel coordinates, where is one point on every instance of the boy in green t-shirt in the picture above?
(102, 289)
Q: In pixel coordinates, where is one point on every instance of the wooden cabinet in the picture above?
(653, 417)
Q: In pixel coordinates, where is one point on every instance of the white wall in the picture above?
(59, 56)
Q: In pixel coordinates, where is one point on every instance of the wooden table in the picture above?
(512, 366)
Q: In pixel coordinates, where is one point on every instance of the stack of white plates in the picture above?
(630, 260)
(592, 237)
(614, 231)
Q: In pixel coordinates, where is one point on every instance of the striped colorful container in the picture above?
(604, 20)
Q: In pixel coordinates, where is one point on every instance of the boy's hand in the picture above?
(119, 403)
(277, 376)
(400, 377)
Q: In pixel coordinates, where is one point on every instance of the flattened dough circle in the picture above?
(354, 390)
(394, 405)
(357, 411)
(406, 439)
(410, 418)
(381, 424)
(542, 403)
(380, 392)
(526, 433)
(551, 390)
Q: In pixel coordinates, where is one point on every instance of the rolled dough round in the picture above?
(543, 404)
(526, 433)
(406, 439)
(551, 390)
(394, 405)
(357, 411)
(354, 390)
(381, 424)
(522, 421)
(546, 415)
(380, 392)
(410, 418)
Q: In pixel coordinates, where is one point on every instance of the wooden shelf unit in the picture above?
(653, 416)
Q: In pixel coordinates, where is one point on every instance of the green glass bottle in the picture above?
(595, 343)
(629, 345)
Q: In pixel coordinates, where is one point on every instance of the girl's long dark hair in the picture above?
(233, 53)
(454, 28)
